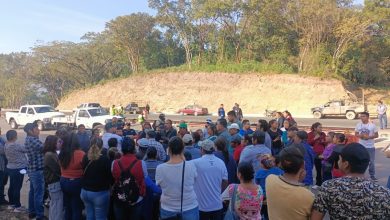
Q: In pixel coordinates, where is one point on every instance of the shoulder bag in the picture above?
(231, 213)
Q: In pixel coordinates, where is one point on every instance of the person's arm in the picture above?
(376, 135)
(310, 139)
(316, 215)
(144, 168)
(227, 194)
(150, 184)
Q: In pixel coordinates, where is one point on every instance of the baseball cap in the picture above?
(183, 125)
(207, 145)
(234, 126)
(187, 138)
(143, 143)
(236, 139)
(209, 121)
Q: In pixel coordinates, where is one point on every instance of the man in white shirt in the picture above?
(212, 179)
(366, 131)
(110, 133)
(381, 110)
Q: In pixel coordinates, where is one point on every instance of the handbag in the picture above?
(180, 215)
(231, 213)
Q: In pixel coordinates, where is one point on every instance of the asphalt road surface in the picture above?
(382, 163)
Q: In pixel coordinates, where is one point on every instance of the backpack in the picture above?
(126, 190)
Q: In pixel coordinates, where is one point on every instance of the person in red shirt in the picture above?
(239, 146)
(138, 171)
(317, 139)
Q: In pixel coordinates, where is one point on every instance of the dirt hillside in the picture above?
(254, 92)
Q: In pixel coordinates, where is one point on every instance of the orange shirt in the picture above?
(74, 169)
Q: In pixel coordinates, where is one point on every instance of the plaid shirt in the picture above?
(34, 149)
(161, 154)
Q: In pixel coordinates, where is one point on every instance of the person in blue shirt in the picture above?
(83, 137)
(221, 112)
(300, 141)
(246, 128)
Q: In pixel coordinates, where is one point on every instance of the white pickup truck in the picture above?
(89, 117)
(30, 113)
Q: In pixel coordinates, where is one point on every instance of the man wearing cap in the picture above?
(300, 141)
(182, 129)
(34, 149)
(128, 131)
(212, 179)
(352, 196)
(111, 133)
(253, 152)
(189, 147)
(151, 136)
(234, 130)
(367, 131)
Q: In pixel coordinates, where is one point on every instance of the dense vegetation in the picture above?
(327, 38)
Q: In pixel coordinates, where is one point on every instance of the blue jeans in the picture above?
(96, 204)
(71, 189)
(128, 212)
(382, 120)
(2, 177)
(56, 210)
(371, 166)
(15, 185)
(192, 214)
(388, 183)
(35, 196)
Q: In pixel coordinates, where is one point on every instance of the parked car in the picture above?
(339, 108)
(30, 113)
(88, 105)
(89, 117)
(133, 108)
(194, 110)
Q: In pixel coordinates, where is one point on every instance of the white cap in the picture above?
(235, 126)
(187, 138)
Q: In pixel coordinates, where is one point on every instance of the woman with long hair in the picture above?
(96, 181)
(70, 158)
(248, 197)
(326, 166)
(212, 132)
(169, 176)
(52, 173)
(223, 154)
(317, 139)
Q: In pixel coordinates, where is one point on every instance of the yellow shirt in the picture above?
(287, 201)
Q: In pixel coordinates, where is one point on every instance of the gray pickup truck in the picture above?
(339, 108)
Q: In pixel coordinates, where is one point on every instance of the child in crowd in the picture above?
(340, 140)
(326, 166)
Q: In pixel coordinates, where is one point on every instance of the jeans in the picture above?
(15, 185)
(35, 196)
(2, 178)
(56, 210)
(371, 167)
(326, 174)
(123, 212)
(96, 204)
(192, 214)
(318, 166)
(382, 120)
(213, 215)
(388, 183)
(71, 188)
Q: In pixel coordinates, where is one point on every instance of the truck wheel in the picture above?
(350, 115)
(40, 126)
(317, 115)
(13, 124)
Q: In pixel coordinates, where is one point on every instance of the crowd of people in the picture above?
(230, 169)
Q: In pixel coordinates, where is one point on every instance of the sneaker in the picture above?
(315, 187)
(373, 178)
(20, 209)
(11, 207)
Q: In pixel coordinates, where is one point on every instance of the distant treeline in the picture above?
(327, 38)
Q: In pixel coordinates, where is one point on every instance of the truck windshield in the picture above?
(44, 109)
(97, 112)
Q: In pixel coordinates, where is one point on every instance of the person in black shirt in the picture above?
(276, 137)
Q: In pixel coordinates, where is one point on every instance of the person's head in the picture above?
(247, 140)
(128, 146)
(279, 115)
(286, 124)
(81, 128)
(146, 125)
(354, 158)
(221, 124)
(197, 136)
(151, 134)
(69, 145)
(212, 130)
(246, 124)
(94, 151)
(273, 124)
(329, 137)
(300, 137)
(316, 127)
(114, 120)
(188, 140)
(207, 146)
(220, 144)
(245, 172)
(50, 144)
(286, 114)
(11, 136)
(221, 105)
(234, 129)
(232, 117)
(113, 153)
(262, 125)
(183, 128)
(339, 138)
(112, 142)
(110, 128)
(258, 137)
(127, 126)
(364, 116)
(168, 124)
(267, 161)
(380, 102)
(292, 132)
(162, 117)
(175, 146)
(292, 160)
(236, 141)
(151, 153)
(119, 131)
(31, 129)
